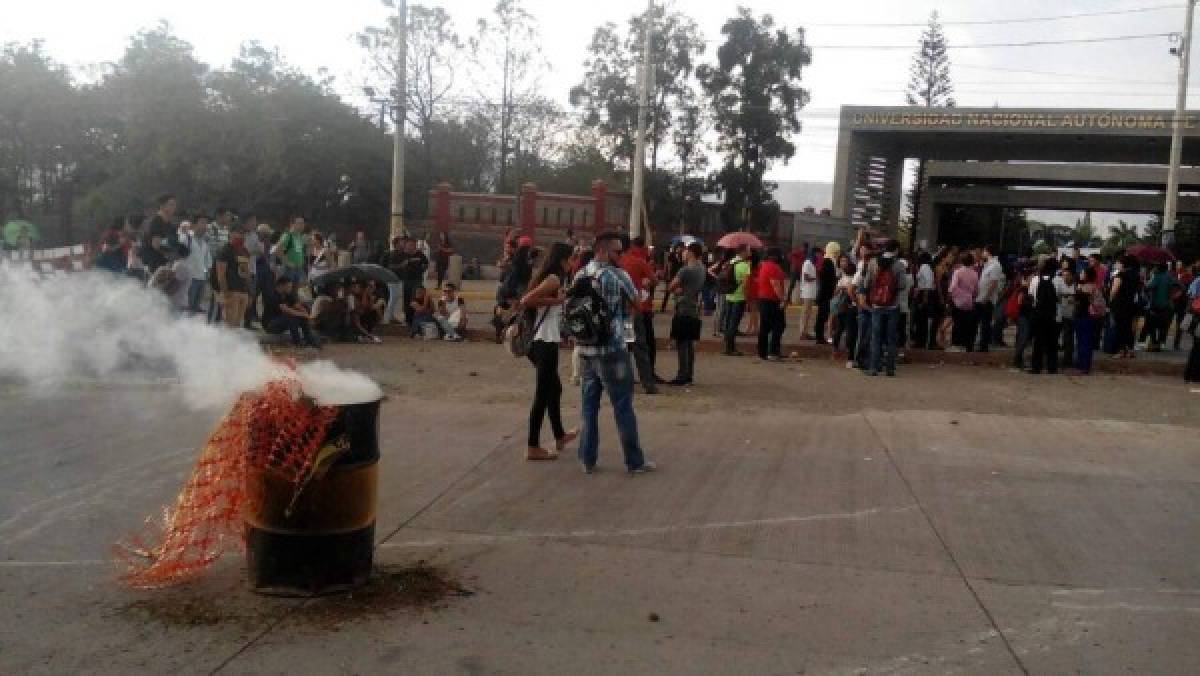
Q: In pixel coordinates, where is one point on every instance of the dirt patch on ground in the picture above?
(391, 589)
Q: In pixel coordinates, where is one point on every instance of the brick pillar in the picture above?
(441, 206)
(600, 199)
(528, 209)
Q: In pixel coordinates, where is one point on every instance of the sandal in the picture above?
(567, 438)
(536, 454)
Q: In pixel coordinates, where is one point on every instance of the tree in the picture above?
(1154, 228)
(1085, 232)
(608, 93)
(434, 50)
(929, 86)
(505, 53)
(41, 136)
(1120, 236)
(755, 91)
(691, 125)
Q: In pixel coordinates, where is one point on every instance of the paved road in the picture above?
(806, 519)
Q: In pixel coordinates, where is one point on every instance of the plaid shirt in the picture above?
(615, 285)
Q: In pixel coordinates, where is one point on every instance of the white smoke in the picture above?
(92, 325)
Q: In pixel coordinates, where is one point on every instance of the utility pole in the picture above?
(639, 152)
(401, 110)
(1185, 54)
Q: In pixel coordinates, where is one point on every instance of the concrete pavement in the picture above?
(805, 520)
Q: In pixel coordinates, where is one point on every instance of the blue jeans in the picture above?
(613, 371)
(1085, 343)
(297, 327)
(885, 325)
(862, 350)
(733, 318)
(195, 293)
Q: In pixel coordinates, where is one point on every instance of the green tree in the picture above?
(1085, 232)
(1120, 236)
(508, 65)
(754, 89)
(42, 137)
(929, 86)
(1154, 229)
(608, 93)
(434, 52)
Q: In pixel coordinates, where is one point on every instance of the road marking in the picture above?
(480, 538)
(52, 564)
(1135, 607)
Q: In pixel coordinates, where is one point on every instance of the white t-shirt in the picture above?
(990, 282)
(550, 330)
(808, 290)
(925, 278)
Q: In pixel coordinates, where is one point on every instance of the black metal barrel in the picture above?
(324, 542)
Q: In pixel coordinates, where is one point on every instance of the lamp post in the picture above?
(397, 220)
(639, 152)
(1184, 53)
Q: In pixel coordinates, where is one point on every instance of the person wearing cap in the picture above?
(232, 277)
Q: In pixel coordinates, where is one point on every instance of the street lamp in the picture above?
(1182, 49)
(383, 104)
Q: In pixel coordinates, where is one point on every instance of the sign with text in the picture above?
(1022, 120)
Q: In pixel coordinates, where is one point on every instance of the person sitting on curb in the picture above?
(363, 315)
(451, 315)
(329, 313)
(421, 309)
(282, 311)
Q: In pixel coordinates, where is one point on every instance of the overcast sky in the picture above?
(311, 35)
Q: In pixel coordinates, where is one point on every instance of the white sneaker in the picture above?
(647, 466)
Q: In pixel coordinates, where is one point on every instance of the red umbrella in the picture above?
(1150, 254)
(735, 240)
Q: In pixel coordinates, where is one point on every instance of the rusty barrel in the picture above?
(324, 541)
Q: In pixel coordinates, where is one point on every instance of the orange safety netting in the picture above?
(276, 429)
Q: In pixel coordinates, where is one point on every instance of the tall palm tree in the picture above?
(1121, 235)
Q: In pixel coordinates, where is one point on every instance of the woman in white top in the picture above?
(545, 301)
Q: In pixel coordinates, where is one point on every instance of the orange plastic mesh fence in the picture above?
(276, 429)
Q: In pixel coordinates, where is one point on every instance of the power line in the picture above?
(1051, 73)
(993, 45)
(988, 22)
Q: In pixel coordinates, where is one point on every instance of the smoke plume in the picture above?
(92, 325)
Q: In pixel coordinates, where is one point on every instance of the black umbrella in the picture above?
(363, 271)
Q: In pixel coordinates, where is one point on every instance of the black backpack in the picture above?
(586, 316)
(727, 277)
(1045, 304)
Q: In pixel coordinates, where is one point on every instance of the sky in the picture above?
(1138, 73)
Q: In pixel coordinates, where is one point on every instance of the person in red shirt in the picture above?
(772, 301)
(636, 262)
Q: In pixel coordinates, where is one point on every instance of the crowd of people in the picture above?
(229, 267)
(869, 303)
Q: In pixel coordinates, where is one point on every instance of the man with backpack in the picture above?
(597, 314)
(732, 282)
(884, 281)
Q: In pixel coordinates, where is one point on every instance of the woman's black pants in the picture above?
(547, 398)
